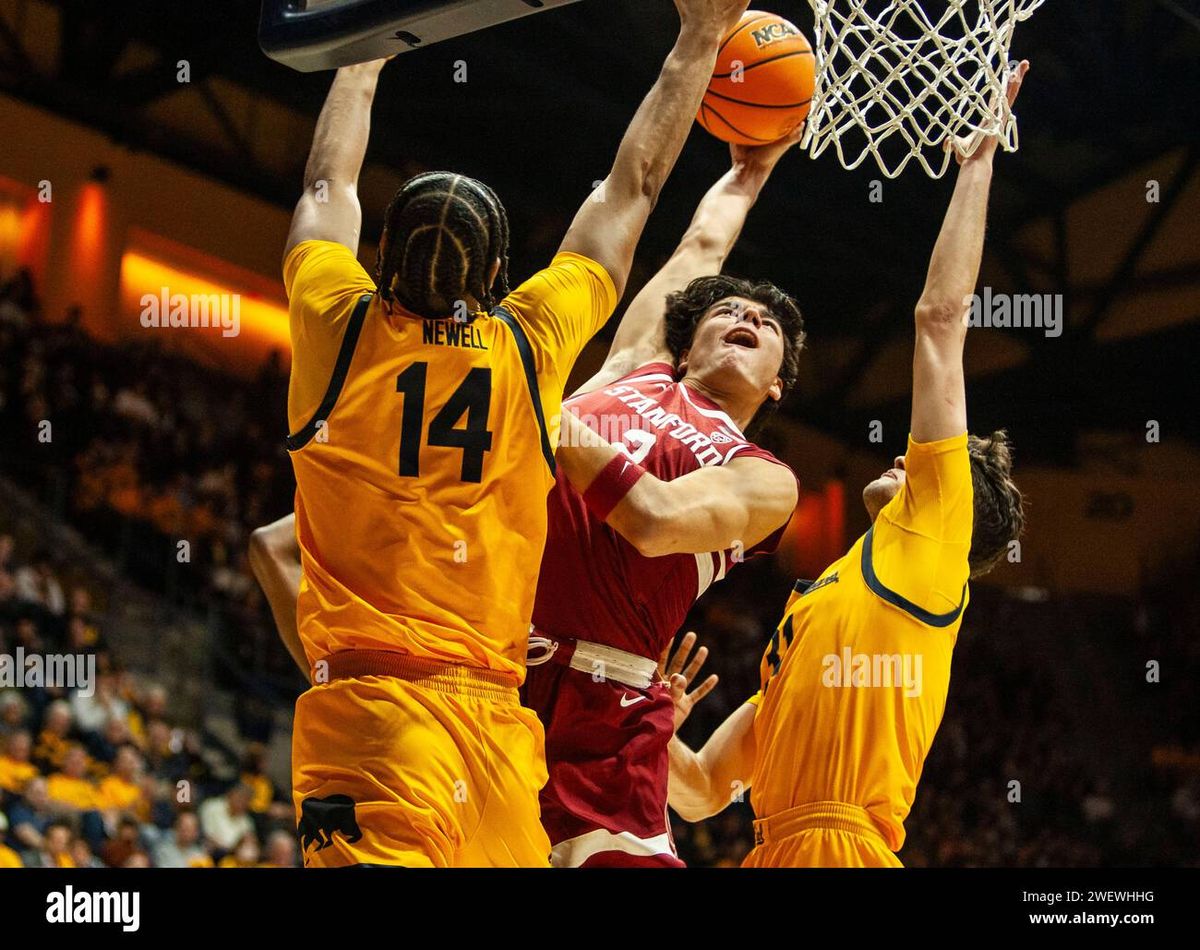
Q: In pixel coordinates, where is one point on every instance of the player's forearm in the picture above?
(954, 265)
(689, 786)
(709, 509)
(703, 783)
(721, 215)
(344, 127)
(657, 517)
(655, 137)
(275, 561)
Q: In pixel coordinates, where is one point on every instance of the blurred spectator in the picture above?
(55, 737)
(16, 766)
(181, 847)
(124, 846)
(246, 854)
(105, 703)
(71, 789)
(104, 747)
(30, 816)
(12, 712)
(55, 850)
(265, 798)
(281, 850)
(226, 818)
(81, 854)
(37, 584)
(121, 792)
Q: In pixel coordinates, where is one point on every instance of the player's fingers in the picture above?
(678, 686)
(697, 661)
(682, 652)
(703, 689)
(1015, 80)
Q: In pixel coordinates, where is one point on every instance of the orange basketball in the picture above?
(763, 82)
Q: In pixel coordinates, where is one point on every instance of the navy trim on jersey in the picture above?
(341, 369)
(526, 353)
(876, 586)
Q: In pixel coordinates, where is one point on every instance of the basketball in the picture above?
(762, 84)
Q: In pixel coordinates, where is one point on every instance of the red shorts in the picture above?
(605, 804)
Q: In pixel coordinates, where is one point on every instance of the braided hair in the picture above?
(441, 233)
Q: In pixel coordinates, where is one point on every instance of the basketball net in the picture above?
(896, 80)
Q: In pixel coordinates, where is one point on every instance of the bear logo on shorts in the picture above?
(321, 817)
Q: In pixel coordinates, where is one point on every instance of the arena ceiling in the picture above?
(1110, 106)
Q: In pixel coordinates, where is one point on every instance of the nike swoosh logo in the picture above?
(627, 701)
(623, 468)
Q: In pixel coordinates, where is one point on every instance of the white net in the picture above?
(896, 80)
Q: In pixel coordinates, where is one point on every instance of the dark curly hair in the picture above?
(999, 508)
(685, 309)
(442, 231)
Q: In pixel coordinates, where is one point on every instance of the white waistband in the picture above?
(600, 661)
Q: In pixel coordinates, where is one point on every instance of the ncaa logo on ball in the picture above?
(772, 33)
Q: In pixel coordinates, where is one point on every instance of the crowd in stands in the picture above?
(149, 449)
(100, 774)
(104, 775)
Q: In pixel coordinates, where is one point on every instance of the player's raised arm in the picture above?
(702, 251)
(608, 226)
(939, 408)
(275, 561)
(329, 209)
(737, 504)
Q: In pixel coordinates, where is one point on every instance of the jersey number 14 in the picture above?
(473, 398)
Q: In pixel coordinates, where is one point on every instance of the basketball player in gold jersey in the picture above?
(422, 406)
(854, 680)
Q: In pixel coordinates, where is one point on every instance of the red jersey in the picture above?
(594, 585)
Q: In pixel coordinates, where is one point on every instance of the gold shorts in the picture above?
(431, 765)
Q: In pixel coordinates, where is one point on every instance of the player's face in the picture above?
(738, 345)
(879, 492)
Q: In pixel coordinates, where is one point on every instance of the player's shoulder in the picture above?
(568, 273)
(939, 458)
(324, 261)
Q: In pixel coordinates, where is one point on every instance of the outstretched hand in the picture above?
(964, 144)
(679, 671)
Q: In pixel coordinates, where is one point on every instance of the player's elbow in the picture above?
(698, 804)
(652, 531)
(690, 811)
(701, 244)
(265, 548)
(940, 314)
(637, 179)
(259, 552)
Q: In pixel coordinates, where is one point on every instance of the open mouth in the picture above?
(742, 336)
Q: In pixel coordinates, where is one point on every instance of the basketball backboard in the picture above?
(310, 35)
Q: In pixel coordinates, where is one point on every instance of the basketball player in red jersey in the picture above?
(695, 360)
